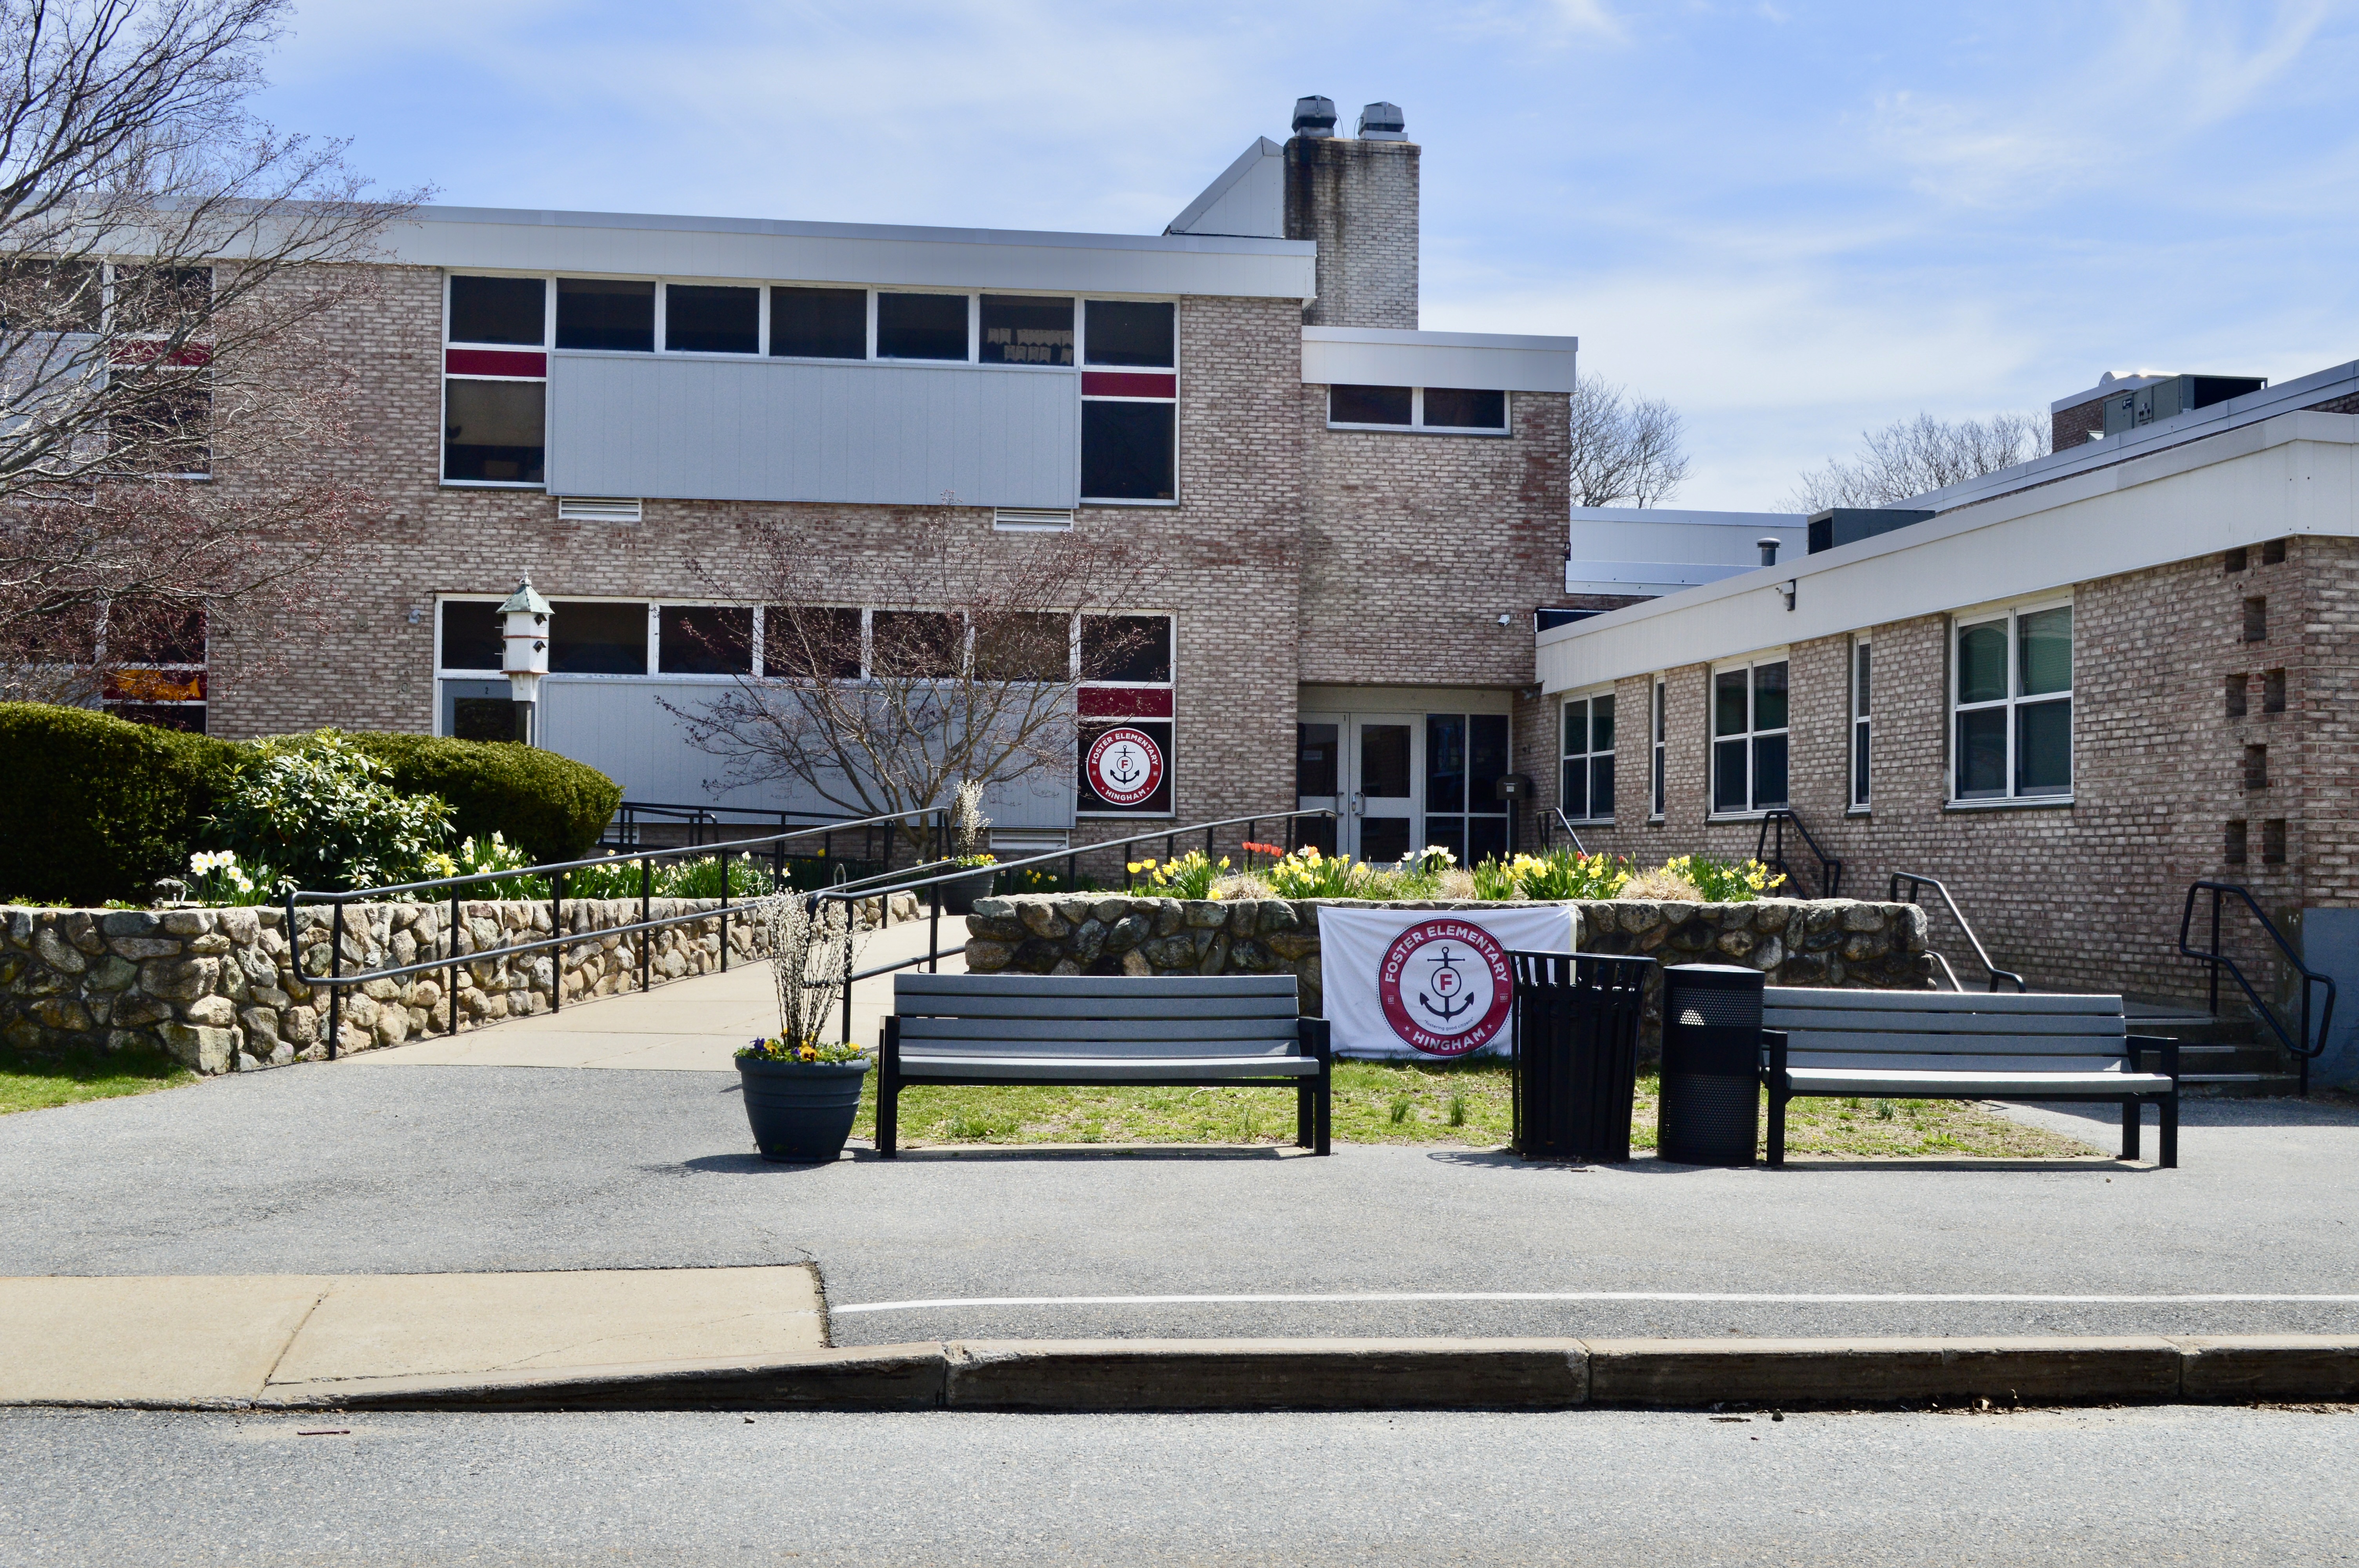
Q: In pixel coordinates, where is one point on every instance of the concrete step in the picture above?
(2238, 1085)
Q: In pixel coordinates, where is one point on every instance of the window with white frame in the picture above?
(494, 381)
(1861, 722)
(1748, 737)
(1661, 730)
(1586, 791)
(1130, 407)
(2013, 703)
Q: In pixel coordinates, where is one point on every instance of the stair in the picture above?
(2222, 1058)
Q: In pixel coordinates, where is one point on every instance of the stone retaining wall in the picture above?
(1794, 941)
(216, 987)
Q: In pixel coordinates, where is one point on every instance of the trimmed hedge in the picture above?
(94, 807)
(552, 807)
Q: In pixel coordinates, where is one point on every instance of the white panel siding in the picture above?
(1385, 356)
(880, 434)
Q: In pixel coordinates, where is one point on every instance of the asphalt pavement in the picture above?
(342, 1168)
(2162, 1485)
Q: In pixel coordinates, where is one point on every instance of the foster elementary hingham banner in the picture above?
(1426, 982)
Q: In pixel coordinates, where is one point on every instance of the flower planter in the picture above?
(800, 1112)
(958, 897)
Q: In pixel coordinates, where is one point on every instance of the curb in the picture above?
(1082, 1376)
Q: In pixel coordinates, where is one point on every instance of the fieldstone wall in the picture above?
(217, 989)
(1794, 941)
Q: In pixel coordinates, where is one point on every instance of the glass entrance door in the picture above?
(1385, 776)
(1318, 779)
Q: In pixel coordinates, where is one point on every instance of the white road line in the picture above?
(1740, 1297)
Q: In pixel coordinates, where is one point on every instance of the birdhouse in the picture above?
(524, 632)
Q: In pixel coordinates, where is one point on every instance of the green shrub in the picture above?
(97, 808)
(319, 810)
(551, 807)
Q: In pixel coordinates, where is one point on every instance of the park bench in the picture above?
(1085, 1030)
(1949, 1045)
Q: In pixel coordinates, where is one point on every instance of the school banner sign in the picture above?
(1428, 982)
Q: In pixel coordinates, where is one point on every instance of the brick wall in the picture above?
(2085, 895)
(1359, 201)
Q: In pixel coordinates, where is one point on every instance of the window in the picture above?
(2233, 560)
(607, 313)
(2273, 698)
(499, 310)
(705, 640)
(168, 430)
(471, 634)
(1748, 737)
(1024, 645)
(2014, 705)
(1465, 755)
(2237, 684)
(163, 299)
(597, 637)
(42, 296)
(1586, 790)
(915, 644)
(1129, 417)
(1133, 649)
(159, 676)
(921, 326)
(2273, 555)
(2256, 767)
(1132, 332)
(820, 323)
(1662, 705)
(811, 643)
(1019, 330)
(699, 319)
(493, 431)
(1444, 408)
(2257, 620)
(1861, 724)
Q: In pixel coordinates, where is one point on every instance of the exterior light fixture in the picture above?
(523, 655)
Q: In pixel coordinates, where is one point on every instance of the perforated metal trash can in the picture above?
(1575, 1053)
(1711, 1056)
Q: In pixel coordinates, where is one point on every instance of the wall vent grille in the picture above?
(597, 509)
(1027, 520)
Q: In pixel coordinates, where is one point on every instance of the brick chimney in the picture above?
(1356, 196)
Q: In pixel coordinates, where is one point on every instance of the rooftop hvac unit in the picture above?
(597, 509)
(2177, 395)
(1847, 525)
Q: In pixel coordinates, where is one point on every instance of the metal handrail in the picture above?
(1830, 866)
(1566, 823)
(2307, 1046)
(1918, 881)
(335, 981)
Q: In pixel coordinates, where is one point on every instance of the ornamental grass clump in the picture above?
(814, 943)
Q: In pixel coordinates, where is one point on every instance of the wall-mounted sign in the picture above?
(1126, 769)
(1422, 983)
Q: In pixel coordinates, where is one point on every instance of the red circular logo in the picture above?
(1125, 765)
(1446, 986)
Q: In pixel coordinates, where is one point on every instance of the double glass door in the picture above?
(1399, 782)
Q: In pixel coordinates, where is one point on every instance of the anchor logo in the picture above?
(1124, 766)
(1463, 1001)
(1447, 980)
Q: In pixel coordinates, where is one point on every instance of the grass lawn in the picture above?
(1378, 1102)
(36, 1082)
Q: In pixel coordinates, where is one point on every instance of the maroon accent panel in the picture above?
(1126, 702)
(494, 361)
(1113, 383)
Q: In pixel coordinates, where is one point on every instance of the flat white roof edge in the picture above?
(798, 229)
(1788, 520)
(1416, 338)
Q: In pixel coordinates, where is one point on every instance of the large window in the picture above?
(1586, 791)
(1748, 737)
(1022, 330)
(493, 432)
(701, 318)
(1862, 723)
(607, 313)
(820, 323)
(1465, 754)
(1461, 410)
(921, 326)
(494, 418)
(1130, 415)
(2013, 705)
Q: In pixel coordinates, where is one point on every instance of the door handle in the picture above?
(1359, 807)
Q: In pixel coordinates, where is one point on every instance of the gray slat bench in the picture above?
(1947, 1045)
(1193, 1032)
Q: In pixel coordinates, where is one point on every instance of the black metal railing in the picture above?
(2304, 1045)
(1553, 822)
(701, 825)
(1769, 849)
(1918, 882)
(336, 982)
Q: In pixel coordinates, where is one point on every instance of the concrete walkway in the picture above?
(242, 1337)
(692, 1026)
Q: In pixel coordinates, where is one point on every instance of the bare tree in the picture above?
(1625, 449)
(965, 670)
(166, 265)
(1910, 457)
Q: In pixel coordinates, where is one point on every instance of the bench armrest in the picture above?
(2159, 1045)
(1313, 1035)
(1772, 1056)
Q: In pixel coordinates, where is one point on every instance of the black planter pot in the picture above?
(801, 1111)
(958, 897)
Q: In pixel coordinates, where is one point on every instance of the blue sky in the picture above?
(1791, 220)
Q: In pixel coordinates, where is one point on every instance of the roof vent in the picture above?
(1314, 116)
(1383, 123)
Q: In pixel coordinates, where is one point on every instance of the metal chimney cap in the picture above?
(1314, 116)
(1768, 549)
(1382, 121)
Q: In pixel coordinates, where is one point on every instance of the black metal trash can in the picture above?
(1575, 1053)
(1711, 1065)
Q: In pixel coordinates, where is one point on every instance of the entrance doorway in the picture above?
(1397, 781)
